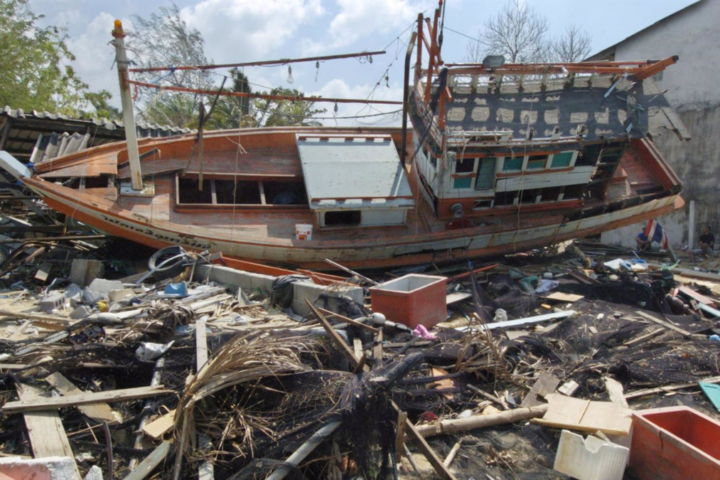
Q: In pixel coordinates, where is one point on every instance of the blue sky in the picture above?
(247, 30)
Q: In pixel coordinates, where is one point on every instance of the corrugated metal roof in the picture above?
(101, 122)
(27, 127)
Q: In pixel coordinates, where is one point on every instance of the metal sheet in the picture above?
(352, 167)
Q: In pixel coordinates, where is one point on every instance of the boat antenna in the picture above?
(127, 106)
(442, 24)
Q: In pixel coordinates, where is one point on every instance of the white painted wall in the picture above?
(693, 86)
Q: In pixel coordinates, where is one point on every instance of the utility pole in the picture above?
(127, 107)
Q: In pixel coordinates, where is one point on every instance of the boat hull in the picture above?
(455, 245)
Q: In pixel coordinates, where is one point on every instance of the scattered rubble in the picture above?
(202, 365)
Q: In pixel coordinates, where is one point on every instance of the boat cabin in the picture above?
(354, 180)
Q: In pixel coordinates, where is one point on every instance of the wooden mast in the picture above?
(127, 107)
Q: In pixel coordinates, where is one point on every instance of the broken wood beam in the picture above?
(427, 450)
(87, 398)
(352, 272)
(151, 461)
(669, 388)
(305, 449)
(490, 397)
(480, 421)
(451, 456)
(45, 429)
(100, 412)
(335, 336)
(400, 434)
(349, 320)
(664, 323)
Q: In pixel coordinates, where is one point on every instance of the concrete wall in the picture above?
(693, 88)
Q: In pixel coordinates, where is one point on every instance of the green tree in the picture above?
(233, 112)
(162, 40)
(100, 102)
(279, 113)
(34, 70)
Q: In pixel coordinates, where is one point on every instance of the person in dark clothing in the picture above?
(707, 241)
(707, 244)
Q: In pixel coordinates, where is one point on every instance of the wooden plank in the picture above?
(427, 450)
(664, 323)
(358, 347)
(160, 426)
(335, 336)
(564, 297)
(669, 388)
(100, 412)
(456, 297)
(546, 384)
(201, 348)
(39, 404)
(45, 429)
(43, 272)
(377, 350)
(150, 462)
(697, 296)
(585, 415)
(400, 434)
(615, 392)
(349, 320)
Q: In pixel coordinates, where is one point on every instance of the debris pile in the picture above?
(231, 370)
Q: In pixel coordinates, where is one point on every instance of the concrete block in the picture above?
(223, 275)
(83, 272)
(120, 295)
(47, 468)
(235, 278)
(53, 301)
(95, 473)
(81, 312)
(262, 282)
(303, 291)
(103, 286)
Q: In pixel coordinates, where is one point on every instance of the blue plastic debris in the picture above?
(177, 290)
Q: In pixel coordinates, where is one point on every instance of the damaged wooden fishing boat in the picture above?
(497, 158)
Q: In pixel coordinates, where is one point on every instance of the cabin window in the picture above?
(611, 155)
(481, 204)
(573, 192)
(465, 165)
(241, 193)
(562, 159)
(343, 218)
(189, 191)
(530, 196)
(503, 199)
(550, 194)
(512, 164)
(285, 193)
(588, 156)
(537, 162)
(462, 182)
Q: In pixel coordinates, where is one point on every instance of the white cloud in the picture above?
(246, 30)
(359, 19)
(94, 57)
(338, 88)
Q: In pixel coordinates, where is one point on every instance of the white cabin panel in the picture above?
(578, 176)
